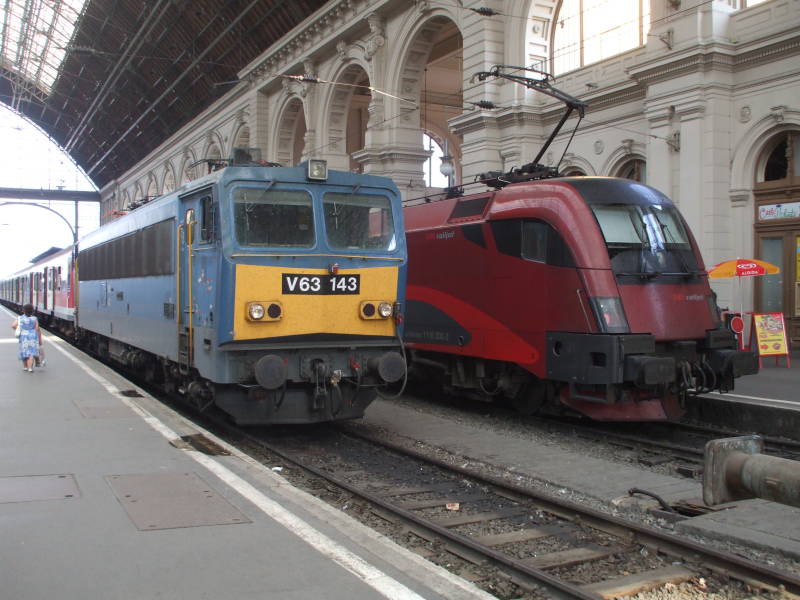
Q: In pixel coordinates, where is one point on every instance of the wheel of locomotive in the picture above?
(532, 397)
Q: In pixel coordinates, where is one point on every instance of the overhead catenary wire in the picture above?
(314, 79)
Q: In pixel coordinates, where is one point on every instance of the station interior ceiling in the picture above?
(110, 80)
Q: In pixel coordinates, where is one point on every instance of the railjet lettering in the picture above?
(689, 298)
(320, 284)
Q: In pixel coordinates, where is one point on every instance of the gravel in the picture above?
(493, 418)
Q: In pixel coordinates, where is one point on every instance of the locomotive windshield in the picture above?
(359, 222)
(645, 240)
(273, 218)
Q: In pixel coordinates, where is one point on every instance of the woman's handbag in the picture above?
(16, 332)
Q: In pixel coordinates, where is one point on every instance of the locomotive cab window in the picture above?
(359, 222)
(645, 240)
(532, 240)
(208, 220)
(273, 218)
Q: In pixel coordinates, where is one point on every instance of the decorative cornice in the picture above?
(329, 23)
(721, 57)
(740, 198)
(470, 122)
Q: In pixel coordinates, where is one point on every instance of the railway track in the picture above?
(681, 442)
(510, 540)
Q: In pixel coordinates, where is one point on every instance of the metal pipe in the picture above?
(737, 469)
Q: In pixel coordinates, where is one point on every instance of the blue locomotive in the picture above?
(273, 293)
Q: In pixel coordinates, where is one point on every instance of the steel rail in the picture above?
(555, 586)
(721, 562)
(601, 431)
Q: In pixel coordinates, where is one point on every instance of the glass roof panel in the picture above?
(34, 35)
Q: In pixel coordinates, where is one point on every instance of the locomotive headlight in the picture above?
(610, 314)
(264, 311)
(376, 309)
(318, 169)
(385, 310)
(256, 311)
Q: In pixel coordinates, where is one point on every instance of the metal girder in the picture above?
(122, 63)
(124, 50)
(33, 194)
(186, 72)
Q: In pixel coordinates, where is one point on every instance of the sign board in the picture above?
(769, 334)
(789, 210)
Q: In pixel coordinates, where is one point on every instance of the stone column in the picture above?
(661, 149)
(691, 185)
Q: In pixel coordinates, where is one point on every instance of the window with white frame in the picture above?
(433, 166)
(588, 31)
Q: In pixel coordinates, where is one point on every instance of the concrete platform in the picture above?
(767, 403)
(753, 523)
(96, 503)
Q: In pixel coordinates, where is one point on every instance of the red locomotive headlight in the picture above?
(610, 315)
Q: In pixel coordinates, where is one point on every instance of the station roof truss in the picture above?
(110, 80)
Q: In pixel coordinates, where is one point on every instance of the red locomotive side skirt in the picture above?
(490, 338)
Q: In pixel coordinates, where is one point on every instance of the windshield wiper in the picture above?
(668, 233)
(643, 274)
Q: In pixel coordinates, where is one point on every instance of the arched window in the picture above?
(574, 172)
(782, 161)
(189, 170)
(635, 169)
(434, 177)
(588, 31)
(169, 180)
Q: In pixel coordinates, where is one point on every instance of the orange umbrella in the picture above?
(742, 267)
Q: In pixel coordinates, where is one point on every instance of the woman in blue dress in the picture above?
(30, 337)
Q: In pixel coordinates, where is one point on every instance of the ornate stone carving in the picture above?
(599, 146)
(777, 113)
(309, 68)
(745, 114)
(627, 146)
(341, 49)
(740, 198)
(376, 39)
(242, 117)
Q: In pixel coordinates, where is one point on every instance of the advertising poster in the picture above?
(770, 334)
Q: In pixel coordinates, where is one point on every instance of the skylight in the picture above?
(34, 38)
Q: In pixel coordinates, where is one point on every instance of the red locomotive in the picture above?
(588, 291)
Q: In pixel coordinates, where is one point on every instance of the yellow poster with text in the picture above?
(770, 332)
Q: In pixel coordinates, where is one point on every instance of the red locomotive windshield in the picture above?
(649, 244)
(645, 241)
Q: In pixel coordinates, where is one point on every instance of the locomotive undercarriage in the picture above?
(611, 377)
(307, 386)
(298, 386)
(485, 380)
(633, 378)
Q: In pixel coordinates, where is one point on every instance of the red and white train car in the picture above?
(49, 285)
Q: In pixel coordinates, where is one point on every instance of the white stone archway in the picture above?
(289, 136)
(346, 109)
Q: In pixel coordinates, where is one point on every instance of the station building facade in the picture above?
(697, 98)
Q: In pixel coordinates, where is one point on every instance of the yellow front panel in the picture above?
(307, 314)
